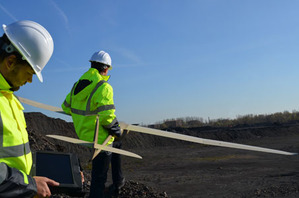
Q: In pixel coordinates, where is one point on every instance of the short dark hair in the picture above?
(3, 53)
(99, 66)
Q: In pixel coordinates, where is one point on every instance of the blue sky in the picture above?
(171, 58)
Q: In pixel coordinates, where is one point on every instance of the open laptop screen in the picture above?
(61, 167)
(54, 166)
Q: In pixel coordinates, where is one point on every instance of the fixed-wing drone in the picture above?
(145, 130)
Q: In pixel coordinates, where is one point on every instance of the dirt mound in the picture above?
(39, 125)
(191, 170)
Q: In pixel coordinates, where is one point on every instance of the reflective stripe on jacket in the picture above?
(90, 96)
(14, 144)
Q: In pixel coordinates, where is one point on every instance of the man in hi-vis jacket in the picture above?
(25, 48)
(91, 101)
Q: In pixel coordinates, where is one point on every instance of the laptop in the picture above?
(61, 167)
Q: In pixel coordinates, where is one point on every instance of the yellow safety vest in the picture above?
(94, 100)
(14, 143)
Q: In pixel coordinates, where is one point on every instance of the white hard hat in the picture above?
(33, 42)
(101, 57)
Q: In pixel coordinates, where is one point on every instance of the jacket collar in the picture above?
(4, 84)
(106, 78)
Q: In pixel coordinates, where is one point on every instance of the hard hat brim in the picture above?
(39, 75)
(109, 66)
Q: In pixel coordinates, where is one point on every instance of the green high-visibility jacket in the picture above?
(15, 154)
(91, 96)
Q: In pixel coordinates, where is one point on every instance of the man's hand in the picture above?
(82, 177)
(42, 186)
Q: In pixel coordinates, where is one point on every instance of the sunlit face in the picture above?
(19, 75)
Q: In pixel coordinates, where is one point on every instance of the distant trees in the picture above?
(244, 120)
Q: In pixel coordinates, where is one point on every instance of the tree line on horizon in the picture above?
(240, 120)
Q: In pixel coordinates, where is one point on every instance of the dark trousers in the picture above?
(100, 167)
(117, 175)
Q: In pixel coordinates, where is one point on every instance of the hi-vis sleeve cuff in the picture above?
(66, 107)
(114, 122)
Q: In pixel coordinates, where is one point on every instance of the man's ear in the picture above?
(105, 72)
(10, 62)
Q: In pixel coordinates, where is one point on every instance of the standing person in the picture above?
(91, 101)
(25, 49)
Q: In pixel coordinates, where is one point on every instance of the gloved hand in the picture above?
(124, 132)
(115, 130)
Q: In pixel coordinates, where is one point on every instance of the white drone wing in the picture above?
(170, 134)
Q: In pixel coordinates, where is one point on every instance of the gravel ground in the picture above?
(204, 171)
(176, 169)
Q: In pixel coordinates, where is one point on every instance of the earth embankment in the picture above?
(173, 168)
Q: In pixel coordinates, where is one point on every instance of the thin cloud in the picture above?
(62, 14)
(65, 67)
(65, 18)
(108, 15)
(8, 13)
(129, 55)
(68, 70)
(128, 65)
